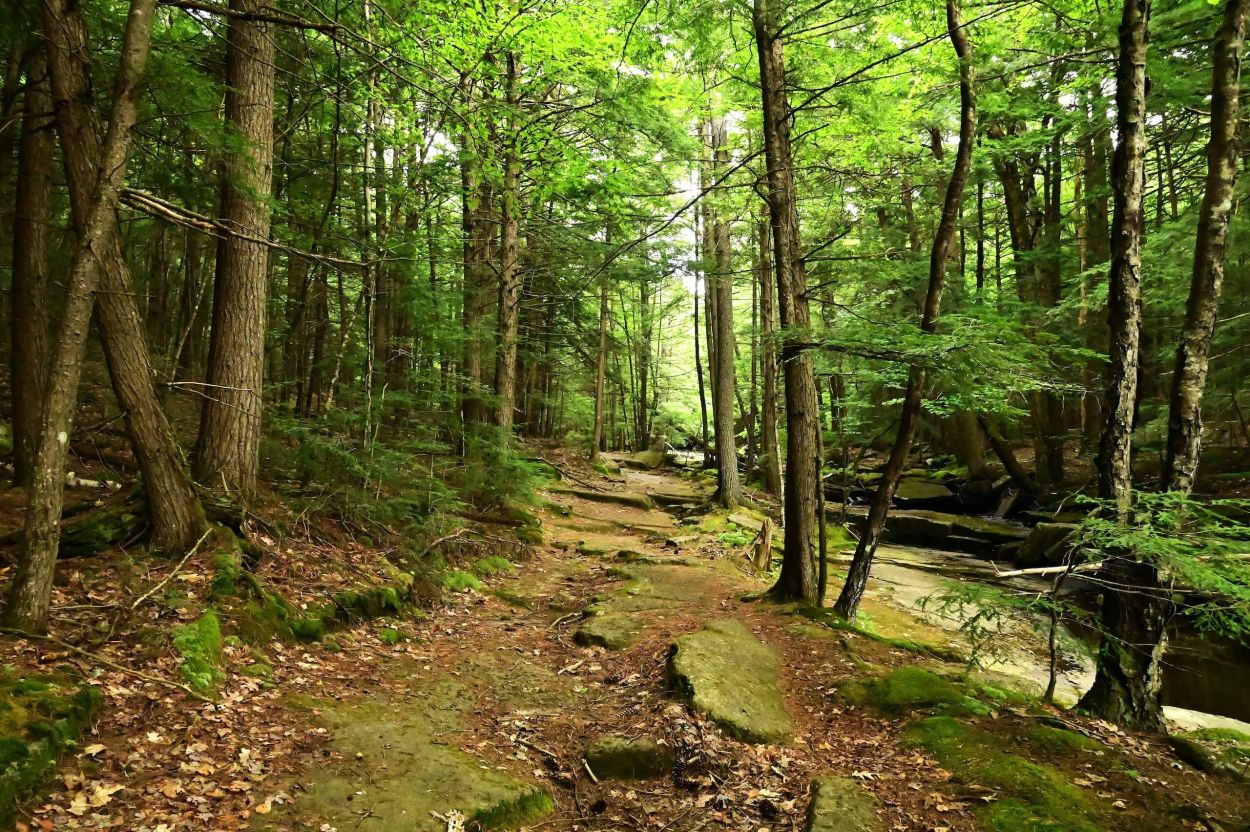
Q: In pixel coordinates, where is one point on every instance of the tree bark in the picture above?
(29, 306)
(509, 273)
(720, 288)
(770, 449)
(1135, 607)
(174, 509)
(1184, 444)
(228, 448)
(798, 579)
(601, 365)
(31, 591)
(861, 565)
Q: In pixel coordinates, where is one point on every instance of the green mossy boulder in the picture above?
(41, 717)
(732, 678)
(608, 630)
(910, 688)
(620, 758)
(840, 804)
(1219, 751)
(1032, 797)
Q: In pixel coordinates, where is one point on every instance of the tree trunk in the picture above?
(1127, 681)
(29, 309)
(861, 565)
(720, 288)
(228, 448)
(31, 591)
(174, 509)
(509, 274)
(770, 449)
(798, 579)
(1193, 353)
(601, 365)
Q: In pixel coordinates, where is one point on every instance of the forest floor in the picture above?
(486, 708)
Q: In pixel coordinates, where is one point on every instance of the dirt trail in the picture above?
(490, 707)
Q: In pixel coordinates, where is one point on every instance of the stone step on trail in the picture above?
(839, 804)
(731, 677)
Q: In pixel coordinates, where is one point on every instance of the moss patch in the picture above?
(492, 565)
(41, 717)
(199, 645)
(732, 677)
(1033, 797)
(910, 688)
(461, 582)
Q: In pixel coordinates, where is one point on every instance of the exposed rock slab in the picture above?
(1045, 545)
(621, 498)
(608, 630)
(615, 757)
(731, 677)
(839, 804)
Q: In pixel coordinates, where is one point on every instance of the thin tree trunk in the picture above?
(31, 591)
(770, 448)
(175, 514)
(29, 306)
(228, 448)
(1128, 681)
(861, 565)
(724, 387)
(798, 579)
(601, 365)
(1210, 248)
(509, 274)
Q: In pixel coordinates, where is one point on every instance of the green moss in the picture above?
(461, 582)
(524, 810)
(389, 635)
(199, 645)
(1033, 797)
(513, 599)
(492, 565)
(1060, 740)
(258, 670)
(910, 688)
(41, 717)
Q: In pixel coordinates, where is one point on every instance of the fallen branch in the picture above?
(1048, 570)
(145, 596)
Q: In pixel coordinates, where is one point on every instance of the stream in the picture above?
(1204, 682)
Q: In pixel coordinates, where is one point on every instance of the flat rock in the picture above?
(620, 498)
(911, 489)
(731, 677)
(839, 804)
(615, 757)
(609, 630)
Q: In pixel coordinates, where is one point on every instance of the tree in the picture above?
(861, 565)
(1135, 607)
(31, 217)
(798, 579)
(227, 452)
(724, 385)
(31, 591)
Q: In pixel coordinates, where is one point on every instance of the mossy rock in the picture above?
(1219, 751)
(615, 757)
(608, 630)
(607, 468)
(41, 718)
(1061, 740)
(840, 804)
(911, 688)
(644, 460)
(732, 678)
(199, 645)
(1033, 797)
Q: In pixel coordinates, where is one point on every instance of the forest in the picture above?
(642, 414)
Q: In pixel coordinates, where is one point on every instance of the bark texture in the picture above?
(1135, 606)
(31, 216)
(798, 579)
(1193, 353)
(228, 449)
(31, 591)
